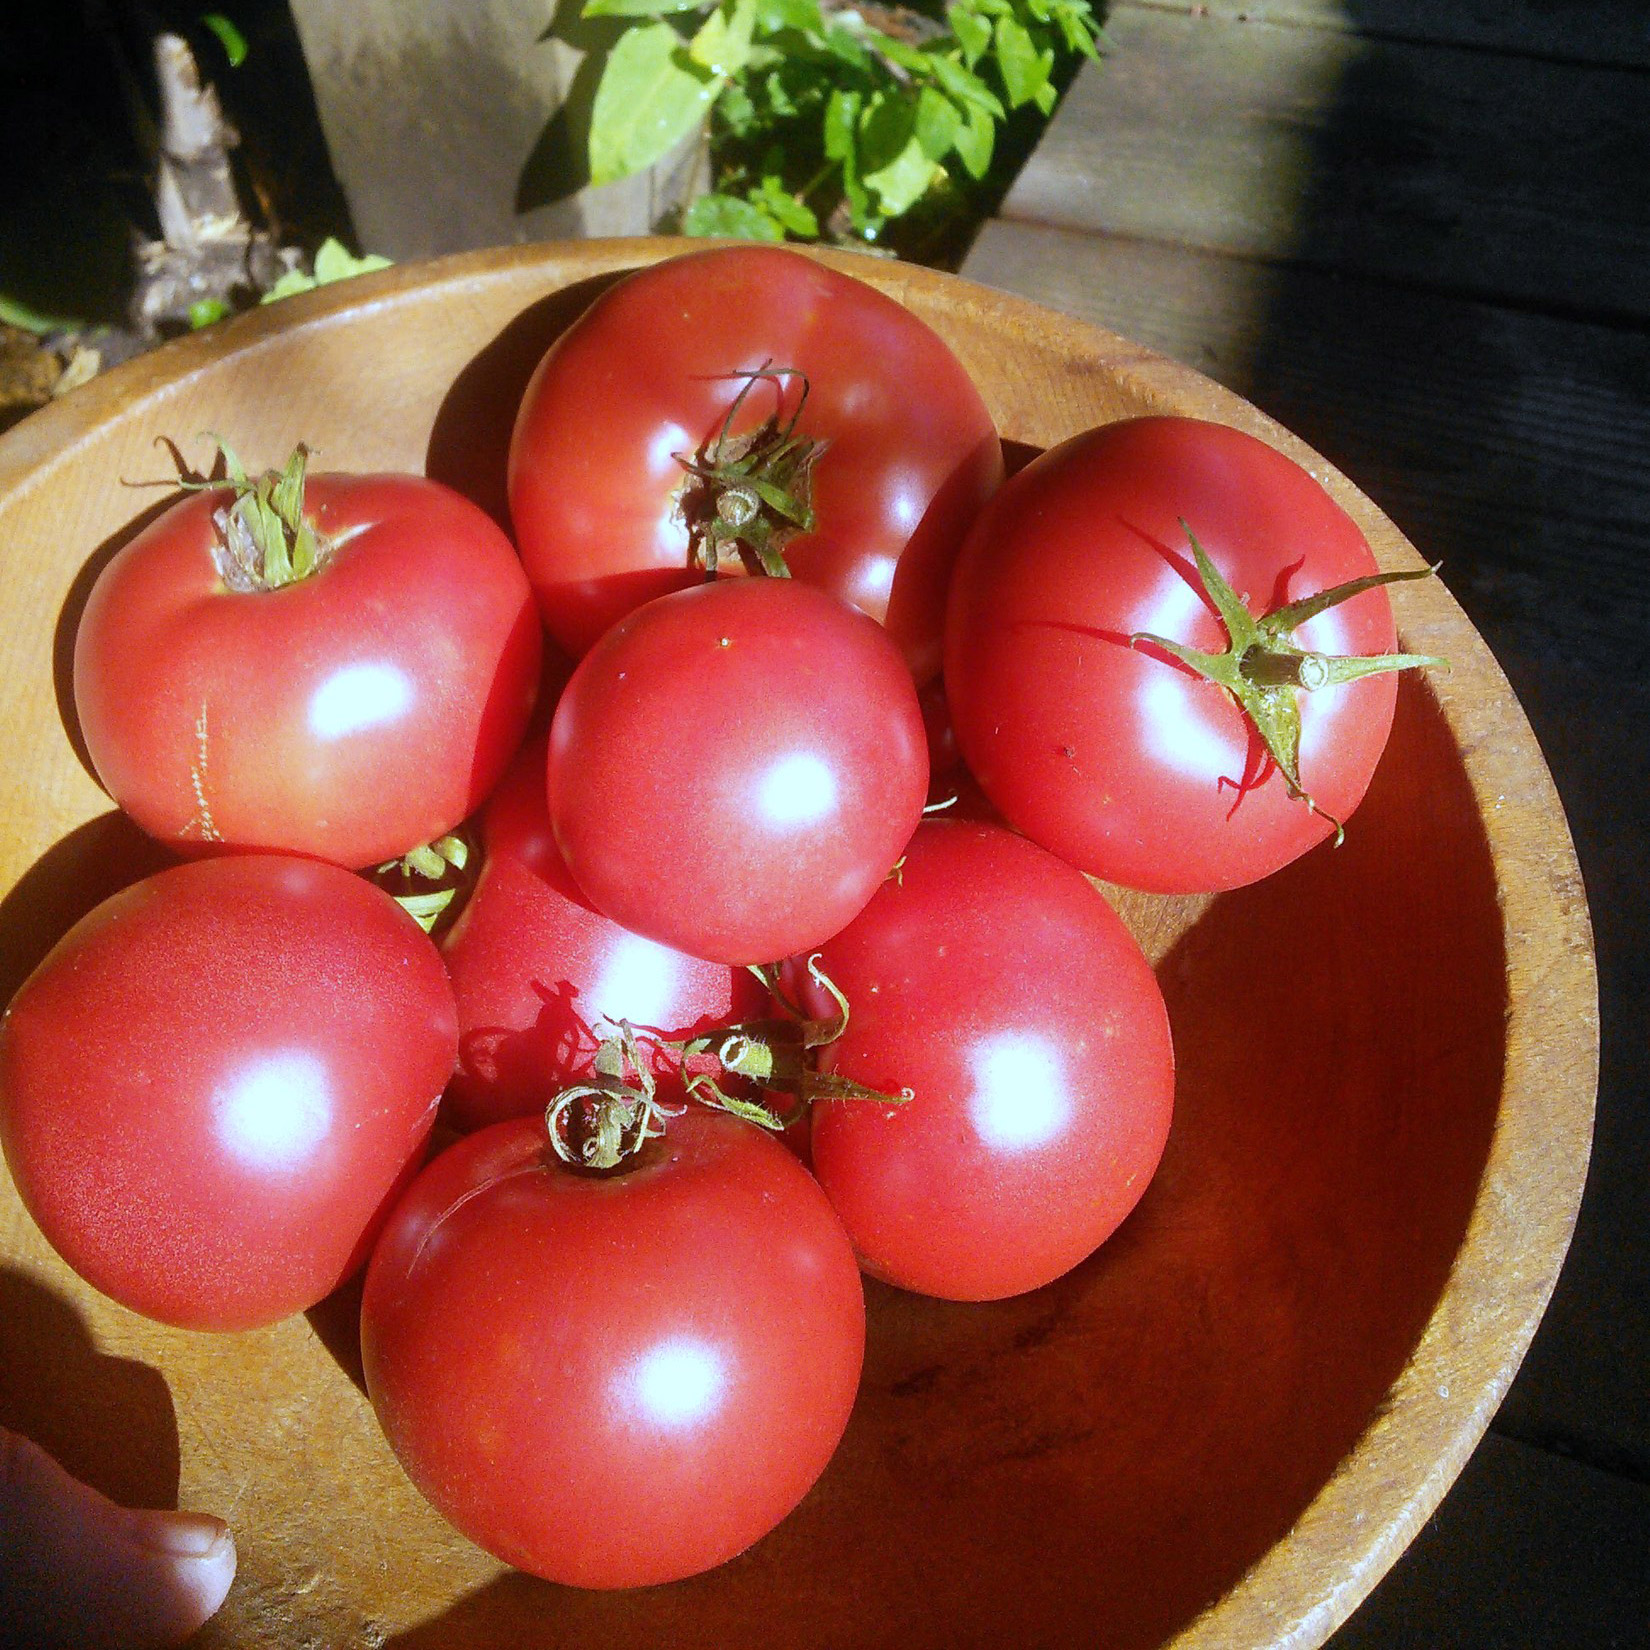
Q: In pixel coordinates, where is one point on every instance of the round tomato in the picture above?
(619, 1379)
(661, 369)
(541, 976)
(1074, 604)
(734, 768)
(351, 714)
(994, 984)
(214, 1082)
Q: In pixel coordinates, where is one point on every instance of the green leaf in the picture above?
(841, 125)
(938, 119)
(727, 215)
(737, 111)
(288, 286)
(204, 311)
(965, 86)
(723, 43)
(802, 15)
(1025, 69)
(774, 198)
(1075, 21)
(651, 95)
(973, 32)
(904, 180)
(841, 132)
(975, 139)
(228, 36)
(637, 8)
(894, 166)
(15, 313)
(334, 262)
(847, 47)
(911, 58)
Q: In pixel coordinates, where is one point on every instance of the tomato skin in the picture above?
(540, 975)
(212, 1084)
(734, 768)
(997, 984)
(352, 715)
(650, 371)
(1116, 758)
(613, 1381)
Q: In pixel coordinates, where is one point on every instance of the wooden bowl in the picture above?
(1219, 1431)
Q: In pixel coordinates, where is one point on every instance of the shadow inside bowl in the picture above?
(1101, 1459)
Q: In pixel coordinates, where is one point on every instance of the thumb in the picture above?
(76, 1570)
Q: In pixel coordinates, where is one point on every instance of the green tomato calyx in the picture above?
(1263, 669)
(602, 1124)
(751, 494)
(264, 540)
(778, 1055)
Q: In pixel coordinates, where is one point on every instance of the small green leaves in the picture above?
(227, 36)
(651, 96)
(333, 262)
(1263, 670)
(823, 123)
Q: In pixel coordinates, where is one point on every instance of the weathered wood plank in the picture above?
(1479, 173)
(1528, 1552)
(1573, 31)
(1515, 448)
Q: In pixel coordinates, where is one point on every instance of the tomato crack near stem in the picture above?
(1262, 669)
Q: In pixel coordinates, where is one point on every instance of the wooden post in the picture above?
(463, 123)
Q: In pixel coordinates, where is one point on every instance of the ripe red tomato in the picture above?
(1119, 758)
(998, 986)
(541, 976)
(614, 1380)
(353, 714)
(602, 504)
(734, 768)
(213, 1083)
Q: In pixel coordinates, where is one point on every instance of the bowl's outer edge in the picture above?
(1508, 1264)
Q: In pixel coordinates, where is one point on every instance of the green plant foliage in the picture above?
(333, 262)
(827, 120)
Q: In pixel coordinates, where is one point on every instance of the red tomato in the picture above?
(541, 976)
(614, 1380)
(601, 502)
(998, 986)
(1119, 758)
(351, 715)
(213, 1083)
(734, 768)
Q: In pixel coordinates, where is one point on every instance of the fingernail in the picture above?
(185, 1534)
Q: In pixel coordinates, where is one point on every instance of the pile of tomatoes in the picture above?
(727, 1015)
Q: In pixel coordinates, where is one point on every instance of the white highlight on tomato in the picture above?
(358, 697)
(1173, 708)
(676, 1382)
(273, 1114)
(1020, 1098)
(637, 982)
(798, 789)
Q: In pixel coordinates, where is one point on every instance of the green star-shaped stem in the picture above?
(1262, 668)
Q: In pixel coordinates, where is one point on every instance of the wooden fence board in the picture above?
(1484, 174)
(1572, 31)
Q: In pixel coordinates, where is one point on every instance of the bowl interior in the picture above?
(1257, 1370)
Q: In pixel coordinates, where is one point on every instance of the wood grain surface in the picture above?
(1505, 430)
(1221, 1430)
